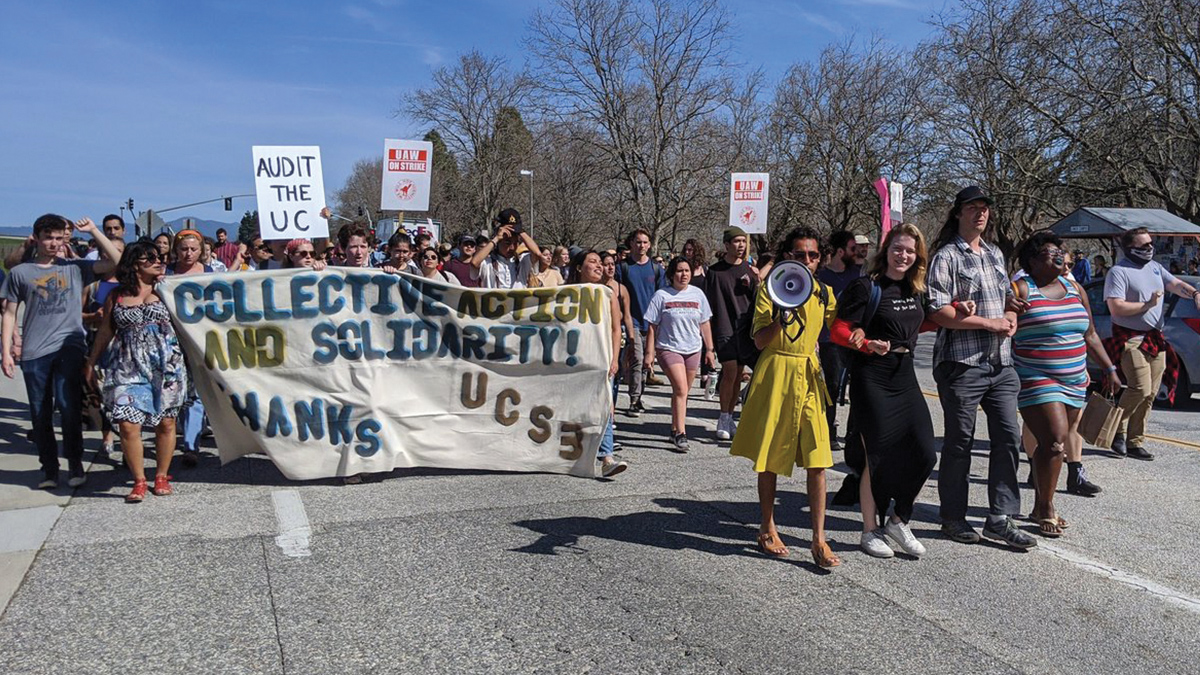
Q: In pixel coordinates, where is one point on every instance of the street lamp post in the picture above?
(529, 173)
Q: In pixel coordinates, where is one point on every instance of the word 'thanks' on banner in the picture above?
(407, 168)
(291, 192)
(347, 371)
(748, 197)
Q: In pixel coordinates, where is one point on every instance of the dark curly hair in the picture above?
(128, 282)
(784, 250)
(1029, 249)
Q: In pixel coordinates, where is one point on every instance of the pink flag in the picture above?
(885, 207)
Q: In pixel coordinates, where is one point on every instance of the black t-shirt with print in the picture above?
(898, 318)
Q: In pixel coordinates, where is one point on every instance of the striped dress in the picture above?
(1048, 348)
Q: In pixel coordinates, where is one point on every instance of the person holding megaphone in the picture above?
(783, 421)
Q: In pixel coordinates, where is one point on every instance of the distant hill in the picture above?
(206, 227)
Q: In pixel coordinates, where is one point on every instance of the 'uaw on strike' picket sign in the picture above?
(344, 371)
(749, 194)
(291, 192)
(406, 175)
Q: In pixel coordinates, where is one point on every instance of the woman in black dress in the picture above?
(880, 315)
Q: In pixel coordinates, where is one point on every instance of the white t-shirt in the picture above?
(677, 316)
(496, 272)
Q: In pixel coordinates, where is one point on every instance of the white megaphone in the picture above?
(790, 285)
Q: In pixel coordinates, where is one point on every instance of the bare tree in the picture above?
(463, 105)
(649, 82)
(361, 190)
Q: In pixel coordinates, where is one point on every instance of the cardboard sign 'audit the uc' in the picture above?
(290, 190)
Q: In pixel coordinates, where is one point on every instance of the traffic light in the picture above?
(130, 204)
(229, 203)
(361, 213)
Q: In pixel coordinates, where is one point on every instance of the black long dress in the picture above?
(885, 396)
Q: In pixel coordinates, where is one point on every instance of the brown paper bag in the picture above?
(1100, 421)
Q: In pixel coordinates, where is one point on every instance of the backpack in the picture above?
(659, 274)
(747, 351)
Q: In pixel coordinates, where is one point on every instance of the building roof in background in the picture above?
(1095, 222)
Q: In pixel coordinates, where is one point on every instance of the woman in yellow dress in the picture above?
(783, 421)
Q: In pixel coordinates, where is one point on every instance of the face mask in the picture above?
(1141, 255)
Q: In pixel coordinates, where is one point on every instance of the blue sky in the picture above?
(161, 101)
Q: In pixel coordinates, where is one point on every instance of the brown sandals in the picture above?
(770, 544)
(824, 556)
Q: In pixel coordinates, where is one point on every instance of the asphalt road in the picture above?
(243, 571)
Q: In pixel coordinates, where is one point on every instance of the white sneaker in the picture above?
(76, 481)
(903, 536)
(875, 544)
(723, 424)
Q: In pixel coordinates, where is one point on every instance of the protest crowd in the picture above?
(97, 343)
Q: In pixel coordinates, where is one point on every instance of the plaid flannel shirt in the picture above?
(957, 273)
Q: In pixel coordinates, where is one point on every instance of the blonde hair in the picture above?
(188, 234)
(916, 273)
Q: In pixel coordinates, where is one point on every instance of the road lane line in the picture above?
(294, 531)
(1160, 439)
(1170, 595)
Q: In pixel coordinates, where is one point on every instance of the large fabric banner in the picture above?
(346, 371)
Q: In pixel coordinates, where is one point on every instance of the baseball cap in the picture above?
(972, 193)
(509, 217)
(466, 239)
(731, 233)
(861, 239)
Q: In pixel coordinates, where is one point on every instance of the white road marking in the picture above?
(294, 531)
(1100, 569)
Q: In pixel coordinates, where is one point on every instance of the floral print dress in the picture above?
(147, 380)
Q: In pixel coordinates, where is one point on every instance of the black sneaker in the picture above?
(960, 531)
(1010, 534)
(1078, 484)
(1118, 444)
(680, 442)
(1138, 452)
(636, 408)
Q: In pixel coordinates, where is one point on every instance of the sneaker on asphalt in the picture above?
(636, 409)
(903, 536)
(680, 441)
(874, 544)
(723, 424)
(960, 531)
(1010, 534)
(1118, 444)
(610, 469)
(76, 481)
(1138, 452)
(47, 484)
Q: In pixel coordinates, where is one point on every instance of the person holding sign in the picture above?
(783, 421)
(679, 335)
(587, 269)
(187, 261)
(496, 263)
(146, 382)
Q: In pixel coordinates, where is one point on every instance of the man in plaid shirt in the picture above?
(972, 365)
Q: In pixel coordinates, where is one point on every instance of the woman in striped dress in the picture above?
(1054, 336)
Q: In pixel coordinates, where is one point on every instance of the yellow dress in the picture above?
(785, 407)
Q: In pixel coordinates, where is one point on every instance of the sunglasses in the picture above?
(429, 257)
(151, 259)
(263, 247)
(305, 254)
(801, 255)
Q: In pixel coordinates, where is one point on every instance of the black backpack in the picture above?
(747, 352)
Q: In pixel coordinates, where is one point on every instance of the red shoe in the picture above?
(162, 486)
(138, 493)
